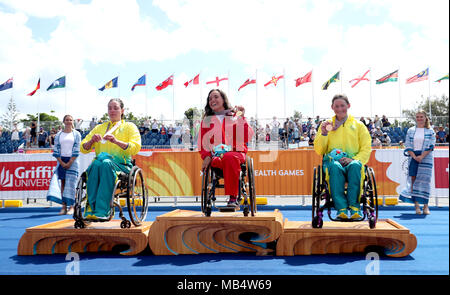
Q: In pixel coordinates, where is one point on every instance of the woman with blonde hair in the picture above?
(419, 143)
(66, 151)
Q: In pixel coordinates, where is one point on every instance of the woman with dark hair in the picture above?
(66, 151)
(345, 144)
(419, 143)
(224, 125)
(115, 142)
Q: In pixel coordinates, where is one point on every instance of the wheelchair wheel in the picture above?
(80, 202)
(206, 191)
(317, 216)
(370, 191)
(251, 185)
(137, 197)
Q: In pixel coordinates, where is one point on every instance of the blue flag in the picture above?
(140, 82)
(8, 84)
(110, 84)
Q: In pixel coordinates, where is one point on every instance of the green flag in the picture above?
(60, 83)
(332, 79)
(443, 78)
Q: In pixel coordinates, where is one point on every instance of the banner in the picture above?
(178, 173)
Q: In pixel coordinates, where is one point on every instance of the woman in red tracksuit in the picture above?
(223, 124)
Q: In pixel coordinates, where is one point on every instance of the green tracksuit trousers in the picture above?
(102, 176)
(338, 175)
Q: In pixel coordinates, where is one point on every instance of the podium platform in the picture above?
(61, 237)
(299, 238)
(190, 232)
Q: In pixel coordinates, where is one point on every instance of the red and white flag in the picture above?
(194, 81)
(217, 81)
(37, 87)
(274, 80)
(165, 83)
(357, 80)
(249, 81)
(304, 79)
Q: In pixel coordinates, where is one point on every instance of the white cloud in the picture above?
(268, 36)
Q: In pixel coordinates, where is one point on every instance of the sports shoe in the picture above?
(233, 202)
(355, 214)
(342, 214)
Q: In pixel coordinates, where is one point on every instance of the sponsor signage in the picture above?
(26, 176)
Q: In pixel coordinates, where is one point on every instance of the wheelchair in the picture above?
(321, 198)
(211, 180)
(128, 186)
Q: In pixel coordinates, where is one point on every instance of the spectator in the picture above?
(92, 124)
(376, 141)
(385, 122)
(78, 123)
(142, 129)
(15, 134)
(376, 121)
(1, 130)
(441, 135)
(385, 139)
(275, 129)
(51, 138)
(155, 126)
(27, 137)
(378, 132)
(267, 132)
(42, 138)
(33, 133)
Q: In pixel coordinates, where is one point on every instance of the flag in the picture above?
(419, 77)
(8, 84)
(332, 79)
(37, 87)
(217, 81)
(110, 84)
(249, 81)
(274, 80)
(140, 82)
(304, 79)
(359, 79)
(165, 83)
(392, 77)
(443, 78)
(194, 81)
(59, 83)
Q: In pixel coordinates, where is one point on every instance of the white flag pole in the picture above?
(256, 99)
(284, 94)
(65, 96)
(173, 98)
(146, 96)
(370, 91)
(429, 94)
(399, 91)
(312, 92)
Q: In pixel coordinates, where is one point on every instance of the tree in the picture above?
(11, 116)
(438, 106)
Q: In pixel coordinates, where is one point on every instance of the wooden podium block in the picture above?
(191, 232)
(299, 238)
(61, 237)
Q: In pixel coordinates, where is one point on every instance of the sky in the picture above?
(91, 42)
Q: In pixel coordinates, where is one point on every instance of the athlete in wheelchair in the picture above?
(345, 145)
(222, 143)
(112, 175)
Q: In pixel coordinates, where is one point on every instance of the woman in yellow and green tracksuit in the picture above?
(345, 144)
(115, 142)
